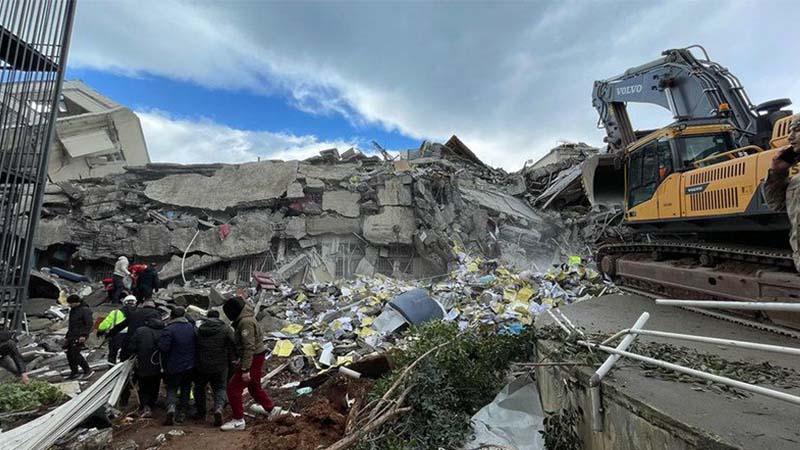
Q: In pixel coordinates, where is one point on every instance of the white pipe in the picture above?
(563, 327)
(699, 374)
(601, 372)
(757, 306)
(712, 340)
(183, 260)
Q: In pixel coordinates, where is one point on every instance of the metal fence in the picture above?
(34, 38)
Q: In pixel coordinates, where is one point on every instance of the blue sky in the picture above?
(238, 80)
(239, 109)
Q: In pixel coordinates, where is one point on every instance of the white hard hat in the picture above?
(129, 300)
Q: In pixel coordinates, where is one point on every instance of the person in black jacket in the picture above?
(144, 345)
(177, 345)
(216, 349)
(79, 328)
(9, 350)
(147, 283)
(135, 320)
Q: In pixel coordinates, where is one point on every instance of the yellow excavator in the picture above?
(692, 188)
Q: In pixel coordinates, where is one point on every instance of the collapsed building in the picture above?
(332, 216)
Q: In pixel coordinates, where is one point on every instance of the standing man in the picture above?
(79, 328)
(9, 351)
(147, 283)
(782, 191)
(120, 273)
(114, 318)
(177, 345)
(251, 351)
(144, 345)
(136, 319)
(216, 349)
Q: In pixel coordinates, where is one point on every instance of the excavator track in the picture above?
(709, 271)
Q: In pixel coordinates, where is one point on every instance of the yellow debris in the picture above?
(309, 350)
(292, 328)
(283, 348)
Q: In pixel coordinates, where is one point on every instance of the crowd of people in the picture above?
(168, 347)
(189, 358)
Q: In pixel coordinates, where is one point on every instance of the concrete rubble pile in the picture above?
(338, 253)
(333, 216)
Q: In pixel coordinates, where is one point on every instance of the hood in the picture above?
(123, 259)
(178, 320)
(154, 323)
(210, 327)
(233, 308)
(248, 311)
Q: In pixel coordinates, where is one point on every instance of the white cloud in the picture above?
(171, 139)
(509, 78)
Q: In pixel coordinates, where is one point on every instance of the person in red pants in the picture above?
(251, 350)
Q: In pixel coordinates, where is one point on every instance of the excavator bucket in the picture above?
(604, 179)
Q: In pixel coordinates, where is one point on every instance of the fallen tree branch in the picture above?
(348, 441)
(380, 404)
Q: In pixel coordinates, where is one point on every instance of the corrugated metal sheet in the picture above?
(41, 433)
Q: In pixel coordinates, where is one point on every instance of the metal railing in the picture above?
(34, 38)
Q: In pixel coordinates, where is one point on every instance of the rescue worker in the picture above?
(216, 349)
(115, 317)
(147, 283)
(78, 329)
(177, 346)
(251, 352)
(9, 351)
(144, 345)
(121, 273)
(782, 191)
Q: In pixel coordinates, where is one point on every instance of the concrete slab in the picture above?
(231, 186)
(395, 224)
(342, 202)
(698, 419)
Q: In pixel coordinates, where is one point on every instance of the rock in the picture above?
(296, 227)
(342, 202)
(128, 444)
(295, 191)
(395, 224)
(314, 185)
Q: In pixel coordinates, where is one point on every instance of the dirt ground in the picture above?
(322, 420)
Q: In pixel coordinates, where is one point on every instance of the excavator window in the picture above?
(647, 167)
(695, 148)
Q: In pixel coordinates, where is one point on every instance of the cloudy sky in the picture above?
(234, 80)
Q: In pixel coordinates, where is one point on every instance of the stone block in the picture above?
(395, 224)
(329, 224)
(394, 193)
(342, 202)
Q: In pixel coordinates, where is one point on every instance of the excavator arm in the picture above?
(691, 89)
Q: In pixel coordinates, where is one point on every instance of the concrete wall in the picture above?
(123, 129)
(628, 425)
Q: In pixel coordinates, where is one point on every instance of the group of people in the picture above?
(188, 358)
(139, 279)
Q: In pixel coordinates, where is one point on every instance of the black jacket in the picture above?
(177, 344)
(216, 346)
(137, 318)
(144, 345)
(147, 283)
(80, 321)
(8, 347)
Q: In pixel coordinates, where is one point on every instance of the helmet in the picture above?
(129, 300)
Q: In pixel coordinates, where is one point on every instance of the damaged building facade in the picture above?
(332, 216)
